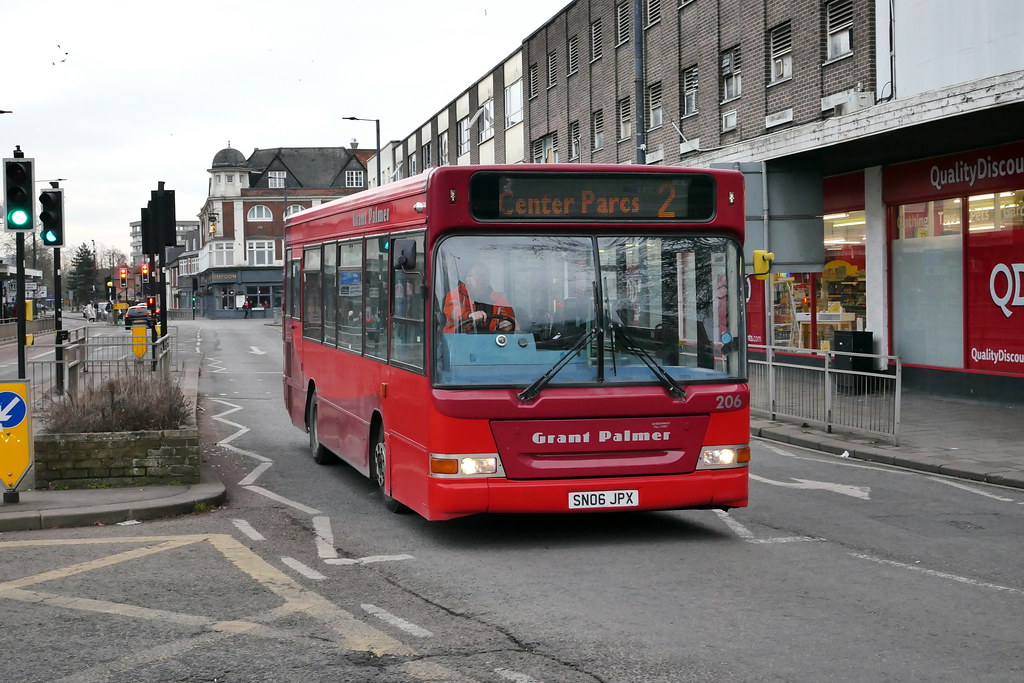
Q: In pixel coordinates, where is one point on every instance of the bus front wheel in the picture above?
(321, 456)
(379, 468)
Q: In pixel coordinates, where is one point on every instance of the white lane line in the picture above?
(255, 474)
(937, 574)
(324, 538)
(308, 572)
(737, 528)
(971, 489)
(397, 622)
(368, 560)
(785, 539)
(281, 499)
(515, 676)
(247, 529)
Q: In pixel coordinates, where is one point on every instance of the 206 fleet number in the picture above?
(603, 499)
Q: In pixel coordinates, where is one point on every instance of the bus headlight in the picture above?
(713, 457)
(483, 465)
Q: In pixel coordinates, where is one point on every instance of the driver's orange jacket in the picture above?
(458, 305)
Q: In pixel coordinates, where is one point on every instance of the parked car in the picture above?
(139, 312)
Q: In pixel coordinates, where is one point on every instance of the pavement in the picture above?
(971, 440)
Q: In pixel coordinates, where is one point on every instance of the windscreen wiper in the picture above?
(531, 392)
(671, 386)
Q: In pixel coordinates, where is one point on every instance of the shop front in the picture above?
(956, 227)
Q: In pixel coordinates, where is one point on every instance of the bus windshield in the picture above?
(605, 309)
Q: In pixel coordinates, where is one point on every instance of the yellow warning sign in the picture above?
(15, 432)
(139, 333)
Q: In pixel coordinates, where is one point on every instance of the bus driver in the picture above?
(473, 306)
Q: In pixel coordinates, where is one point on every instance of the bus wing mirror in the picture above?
(405, 254)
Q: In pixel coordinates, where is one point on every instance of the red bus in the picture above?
(529, 338)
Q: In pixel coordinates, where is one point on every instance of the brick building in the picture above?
(885, 135)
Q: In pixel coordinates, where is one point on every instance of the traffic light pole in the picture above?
(58, 320)
(19, 305)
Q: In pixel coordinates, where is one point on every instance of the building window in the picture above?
(295, 208)
(545, 150)
(839, 16)
(412, 164)
(653, 11)
(463, 136)
(276, 179)
(782, 53)
(597, 130)
(442, 148)
(260, 252)
(486, 121)
(688, 87)
(260, 212)
(222, 254)
(624, 115)
(654, 105)
(621, 23)
(514, 104)
(230, 178)
(425, 154)
(732, 81)
(574, 55)
(552, 69)
(533, 80)
(729, 121)
(574, 141)
(595, 41)
(355, 178)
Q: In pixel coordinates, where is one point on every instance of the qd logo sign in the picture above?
(1006, 286)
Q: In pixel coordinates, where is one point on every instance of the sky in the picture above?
(113, 96)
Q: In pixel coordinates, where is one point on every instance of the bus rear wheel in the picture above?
(379, 468)
(321, 456)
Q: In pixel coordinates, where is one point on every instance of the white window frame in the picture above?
(622, 17)
(552, 69)
(293, 208)
(655, 111)
(442, 148)
(690, 85)
(259, 252)
(276, 179)
(514, 104)
(464, 136)
(425, 155)
(624, 119)
(412, 164)
(575, 144)
(781, 53)
(839, 19)
(596, 42)
(355, 178)
(573, 51)
(732, 78)
(222, 253)
(486, 121)
(597, 129)
(260, 213)
(534, 81)
(729, 120)
(545, 147)
(653, 12)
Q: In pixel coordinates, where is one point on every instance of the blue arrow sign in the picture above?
(12, 409)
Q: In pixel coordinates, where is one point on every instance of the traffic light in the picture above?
(124, 277)
(52, 218)
(151, 303)
(19, 186)
(145, 272)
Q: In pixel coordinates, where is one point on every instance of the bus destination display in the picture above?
(529, 196)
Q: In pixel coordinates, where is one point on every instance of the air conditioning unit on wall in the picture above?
(847, 101)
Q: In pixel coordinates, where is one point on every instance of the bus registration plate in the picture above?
(603, 499)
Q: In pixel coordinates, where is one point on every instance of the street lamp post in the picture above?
(377, 122)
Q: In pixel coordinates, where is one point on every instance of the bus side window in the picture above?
(408, 332)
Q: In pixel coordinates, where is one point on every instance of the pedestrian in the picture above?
(246, 308)
(89, 313)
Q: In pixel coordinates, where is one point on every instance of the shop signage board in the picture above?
(15, 432)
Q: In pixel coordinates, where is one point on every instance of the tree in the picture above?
(81, 278)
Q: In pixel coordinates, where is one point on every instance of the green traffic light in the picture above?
(49, 237)
(18, 217)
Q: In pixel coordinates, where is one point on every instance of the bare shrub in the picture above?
(142, 402)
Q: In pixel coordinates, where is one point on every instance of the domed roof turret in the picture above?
(228, 157)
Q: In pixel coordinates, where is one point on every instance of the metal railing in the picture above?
(89, 357)
(856, 392)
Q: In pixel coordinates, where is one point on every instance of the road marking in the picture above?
(305, 570)
(247, 529)
(256, 350)
(368, 560)
(971, 489)
(409, 627)
(785, 539)
(255, 474)
(281, 499)
(324, 538)
(515, 676)
(862, 492)
(938, 574)
(737, 528)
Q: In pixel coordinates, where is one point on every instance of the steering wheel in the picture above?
(468, 325)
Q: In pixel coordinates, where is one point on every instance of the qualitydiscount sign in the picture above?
(995, 301)
(15, 432)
